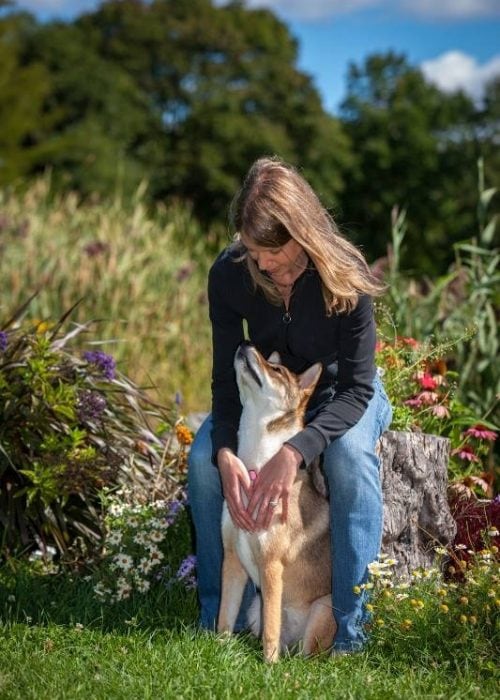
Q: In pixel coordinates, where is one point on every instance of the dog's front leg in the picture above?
(272, 593)
(234, 579)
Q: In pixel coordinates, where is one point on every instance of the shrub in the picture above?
(70, 425)
(137, 544)
(431, 618)
(423, 392)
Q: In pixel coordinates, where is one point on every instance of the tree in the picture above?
(23, 89)
(103, 132)
(224, 84)
(416, 149)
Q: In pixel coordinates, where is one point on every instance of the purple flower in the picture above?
(174, 508)
(105, 363)
(90, 405)
(3, 341)
(186, 573)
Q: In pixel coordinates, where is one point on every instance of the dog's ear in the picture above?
(309, 378)
(274, 358)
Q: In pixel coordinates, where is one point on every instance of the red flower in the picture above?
(466, 452)
(427, 381)
(408, 341)
(481, 432)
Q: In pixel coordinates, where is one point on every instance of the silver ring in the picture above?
(273, 504)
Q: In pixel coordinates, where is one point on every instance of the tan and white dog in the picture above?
(289, 562)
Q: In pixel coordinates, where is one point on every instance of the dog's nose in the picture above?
(240, 352)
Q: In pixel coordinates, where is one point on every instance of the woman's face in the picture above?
(276, 261)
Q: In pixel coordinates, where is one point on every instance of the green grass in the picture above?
(57, 641)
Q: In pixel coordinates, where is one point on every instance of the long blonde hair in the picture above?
(275, 204)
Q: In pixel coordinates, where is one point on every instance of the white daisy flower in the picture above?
(124, 561)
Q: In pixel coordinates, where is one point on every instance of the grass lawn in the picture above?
(57, 641)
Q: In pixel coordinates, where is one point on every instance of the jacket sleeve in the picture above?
(354, 386)
(227, 334)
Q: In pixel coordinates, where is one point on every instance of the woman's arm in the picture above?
(354, 387)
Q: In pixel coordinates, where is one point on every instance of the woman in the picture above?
(305, 291)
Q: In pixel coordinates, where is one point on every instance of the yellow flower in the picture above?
(463, 619)
(380, 622)
(441, 592)
(369, 607)
(43, 326)
(406, 624)
(356, 590)
(463, 600)
(183, 434)
(444, 608)
(473, 619)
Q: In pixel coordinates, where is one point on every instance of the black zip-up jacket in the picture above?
(344, 343)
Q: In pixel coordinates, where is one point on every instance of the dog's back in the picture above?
(290, 561)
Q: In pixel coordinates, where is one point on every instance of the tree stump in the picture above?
(417, 517)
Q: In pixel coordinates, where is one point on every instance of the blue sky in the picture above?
(455, 42)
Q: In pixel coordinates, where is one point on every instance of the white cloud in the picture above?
(455, 70)
(453, 9)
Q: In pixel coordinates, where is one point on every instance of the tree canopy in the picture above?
(185, 94)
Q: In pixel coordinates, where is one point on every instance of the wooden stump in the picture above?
(417, 518)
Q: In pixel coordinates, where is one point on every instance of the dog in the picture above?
(289, 562)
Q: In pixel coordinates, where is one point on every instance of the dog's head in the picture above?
(269, 386)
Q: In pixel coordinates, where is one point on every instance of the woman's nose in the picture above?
(263, 260)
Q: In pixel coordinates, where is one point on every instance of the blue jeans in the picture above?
(352, 471)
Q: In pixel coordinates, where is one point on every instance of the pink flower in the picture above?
(440, 411)
(409, 341)
(415, 402)
(428, 397)
(466, 452)
(481, 432)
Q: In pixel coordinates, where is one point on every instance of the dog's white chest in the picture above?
(248, 545)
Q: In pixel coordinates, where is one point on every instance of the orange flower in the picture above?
(183, 434)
